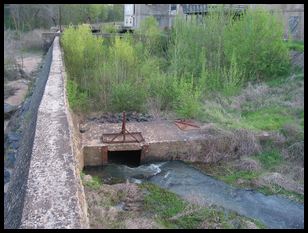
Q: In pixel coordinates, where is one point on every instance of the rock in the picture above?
(13, 136)
(92, 118)
(250, 225)
(236, 223)
(240, 181)
(9, 110)
(7, 176)
(83, 128)
(87, 178)
(10, 159)
(15, 145)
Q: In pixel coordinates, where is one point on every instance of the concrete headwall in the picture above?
(54, 194)
(207, 150)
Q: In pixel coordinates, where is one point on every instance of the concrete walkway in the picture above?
(53, 198)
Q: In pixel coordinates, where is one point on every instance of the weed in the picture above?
(276, 189)
(173, 212)
(76, 97)
(162, 202)
(268, 118)
(295, 45)
(94, 183)
(270, 159)
(233, 176)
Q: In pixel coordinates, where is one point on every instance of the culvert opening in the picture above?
(127, 157)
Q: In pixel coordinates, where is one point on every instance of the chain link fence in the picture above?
(26, 124)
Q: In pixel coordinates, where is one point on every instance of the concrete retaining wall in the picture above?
(197, 150)
(54, 196)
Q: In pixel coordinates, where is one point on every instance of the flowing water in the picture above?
(176, 176)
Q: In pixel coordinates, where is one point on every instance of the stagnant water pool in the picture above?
(176, 176)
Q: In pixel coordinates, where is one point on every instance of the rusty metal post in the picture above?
(104, 154)
(123, 125)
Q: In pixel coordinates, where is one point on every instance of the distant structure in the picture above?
(165, 13)
(293, 14)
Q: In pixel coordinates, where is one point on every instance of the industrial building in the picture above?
(293, 14)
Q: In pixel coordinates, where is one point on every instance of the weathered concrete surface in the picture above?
(163, 141)
(53, 188)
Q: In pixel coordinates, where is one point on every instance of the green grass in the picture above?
(165, 205)
(268, 118)
(162, 202)
(276, 189)
(233, 176)
(95, 183)
(296, 45)
(270, 159)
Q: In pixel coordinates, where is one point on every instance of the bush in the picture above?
(218, 54)
(127, 97)
(77, 98)
(256, 39)
(82, 53)
(151, 36)
(109, 28)
(187, 104)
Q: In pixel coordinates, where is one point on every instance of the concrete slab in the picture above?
(152, 132)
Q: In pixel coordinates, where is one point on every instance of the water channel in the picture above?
(176, 176)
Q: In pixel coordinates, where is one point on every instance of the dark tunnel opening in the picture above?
(127, 157)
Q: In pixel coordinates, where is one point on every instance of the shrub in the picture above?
(94, 183)
(187, 104)
(257, 41)
(109, 28)
(77, 98)
(127, 97)
(151, 36)
(82, 53)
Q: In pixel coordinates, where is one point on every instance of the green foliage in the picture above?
(77, 98)
(233, 78)
(162, 202)
(276, 189)
(26, 17)
(173, 212)
(151, 36)
(295, 45)
(187, 104)
(126, 97)
(270, 159)
(235, 175)
(94, 183)
(110, 28)
(199, 58)
(272, 118)
(256, 39)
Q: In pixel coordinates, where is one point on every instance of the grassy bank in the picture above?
(149, 206)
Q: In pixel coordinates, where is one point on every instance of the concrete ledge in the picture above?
(53, 192)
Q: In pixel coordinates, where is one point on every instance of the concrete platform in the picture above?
(163, 140)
